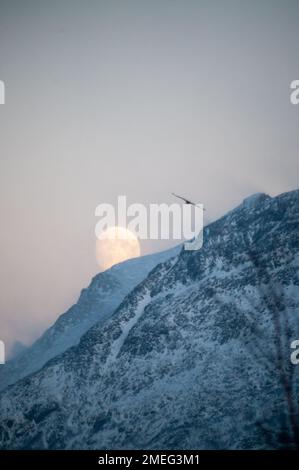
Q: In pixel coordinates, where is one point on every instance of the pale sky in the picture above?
(142, 98)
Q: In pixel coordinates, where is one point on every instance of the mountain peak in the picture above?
(197, 323)
(255, 199)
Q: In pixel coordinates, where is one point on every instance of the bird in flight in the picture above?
(184, 199)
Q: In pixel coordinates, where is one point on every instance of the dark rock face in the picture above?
(190, 358)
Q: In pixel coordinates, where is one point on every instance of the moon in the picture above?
(116, 244)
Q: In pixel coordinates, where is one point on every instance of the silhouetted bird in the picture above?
(185, 200)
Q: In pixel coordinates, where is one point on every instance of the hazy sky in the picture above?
(141, 98)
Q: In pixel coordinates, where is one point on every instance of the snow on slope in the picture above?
(188, 359)
(96, 303)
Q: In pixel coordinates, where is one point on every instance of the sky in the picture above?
(136, 98)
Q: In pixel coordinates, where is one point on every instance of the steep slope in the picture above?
(96, 303)
(189, 359)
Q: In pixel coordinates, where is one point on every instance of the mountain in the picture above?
(196, 356)
(17, 348)
(96, 303)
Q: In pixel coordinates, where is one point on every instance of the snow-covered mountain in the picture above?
(196, 356)
(96, 303)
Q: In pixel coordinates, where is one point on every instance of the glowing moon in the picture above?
(116, 245)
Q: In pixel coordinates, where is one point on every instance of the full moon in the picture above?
(116, 245)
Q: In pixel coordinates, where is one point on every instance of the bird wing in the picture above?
(184, 199)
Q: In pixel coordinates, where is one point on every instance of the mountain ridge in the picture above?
(188, 359)
(95, 304)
